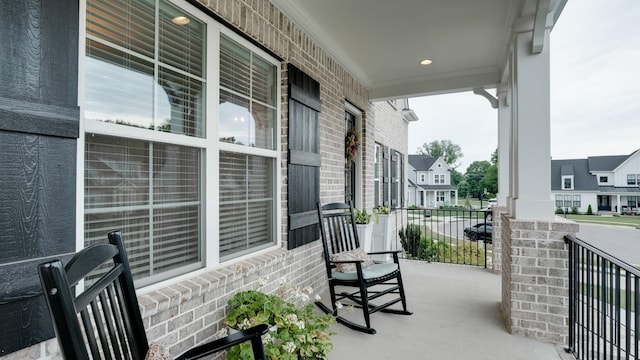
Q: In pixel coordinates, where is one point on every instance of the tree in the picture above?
(474, 175)
(490, 179)
(456, 177)
(448, 151)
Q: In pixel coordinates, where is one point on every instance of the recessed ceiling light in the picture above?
(180, 20)
(425, 62)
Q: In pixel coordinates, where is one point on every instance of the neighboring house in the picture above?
(430, 182)
(607, 183)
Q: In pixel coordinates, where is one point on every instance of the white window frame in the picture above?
(570, 178)
(209, 143)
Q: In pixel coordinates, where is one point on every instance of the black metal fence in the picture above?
(454, 236)
(603, 304)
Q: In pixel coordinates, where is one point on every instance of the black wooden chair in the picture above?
(104, 321)
(349, 266)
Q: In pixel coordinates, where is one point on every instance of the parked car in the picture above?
(492, 202)
(479, 231)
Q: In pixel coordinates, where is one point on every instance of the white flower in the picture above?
(338, 305)
(318, 298)
(245, 324)
(292, 318)
(290, 347)
(300, 324)
(266, 338)
(303, 297)
(222, 333)
(262, 281)
(308, 290)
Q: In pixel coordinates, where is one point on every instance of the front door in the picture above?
(604, 203)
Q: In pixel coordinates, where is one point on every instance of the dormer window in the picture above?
(604, 179)
(567, 182)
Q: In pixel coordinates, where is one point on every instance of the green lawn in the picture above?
(623, 220)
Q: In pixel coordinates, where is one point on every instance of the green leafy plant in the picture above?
(410, 239)
(296, 331)
(364, 217)
(589, 210)
(382, 210)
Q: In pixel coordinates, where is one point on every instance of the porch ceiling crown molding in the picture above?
(315, 31)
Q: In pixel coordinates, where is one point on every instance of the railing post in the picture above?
(572, 315)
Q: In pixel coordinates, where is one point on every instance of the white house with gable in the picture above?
(607, 183)
(429, 181)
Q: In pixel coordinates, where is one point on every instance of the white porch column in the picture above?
(530, 171)
(504, 132)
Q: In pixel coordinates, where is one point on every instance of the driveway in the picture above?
(622, 242)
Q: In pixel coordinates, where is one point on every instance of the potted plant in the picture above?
(365, 228)
(296, 331)
(383, 232)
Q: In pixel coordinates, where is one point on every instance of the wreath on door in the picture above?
(352, 143)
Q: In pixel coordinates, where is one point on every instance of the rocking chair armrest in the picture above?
(384, 252)
(209, 348)
(346, 261)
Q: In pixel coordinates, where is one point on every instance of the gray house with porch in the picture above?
(610, 184)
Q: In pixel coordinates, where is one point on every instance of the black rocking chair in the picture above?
(348, 266)
(104, 321)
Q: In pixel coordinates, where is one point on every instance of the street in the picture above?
(622, 242)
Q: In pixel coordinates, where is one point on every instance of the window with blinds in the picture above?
(247, 97)
(146, 141)
(246, 203)
(247, 117)
(150, 191)
(145, 70)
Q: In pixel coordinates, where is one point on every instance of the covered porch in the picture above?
(457, 315)
(360, 53)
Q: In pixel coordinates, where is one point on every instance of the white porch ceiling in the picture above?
(381, 42)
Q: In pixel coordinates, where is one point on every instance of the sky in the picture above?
(595, 91)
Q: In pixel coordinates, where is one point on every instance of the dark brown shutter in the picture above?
(401, 187)
(304, 157)
(385, 175)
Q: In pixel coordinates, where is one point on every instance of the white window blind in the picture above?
(247, 97)
(247, 181)
(146, 71)
(131, 80)
(150, 192)
(246, 203)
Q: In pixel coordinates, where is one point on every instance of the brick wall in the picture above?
(496, 254)
(535, 278)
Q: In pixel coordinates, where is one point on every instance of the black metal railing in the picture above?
(439, 235)
(603, 304)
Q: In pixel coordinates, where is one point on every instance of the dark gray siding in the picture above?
(39, 124)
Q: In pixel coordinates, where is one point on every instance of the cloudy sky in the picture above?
(595, 90)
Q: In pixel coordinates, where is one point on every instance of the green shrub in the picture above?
(589, 210)
(410, 239)
(559, 211)
(574, 210)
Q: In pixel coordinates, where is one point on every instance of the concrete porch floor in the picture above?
(456, 315)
